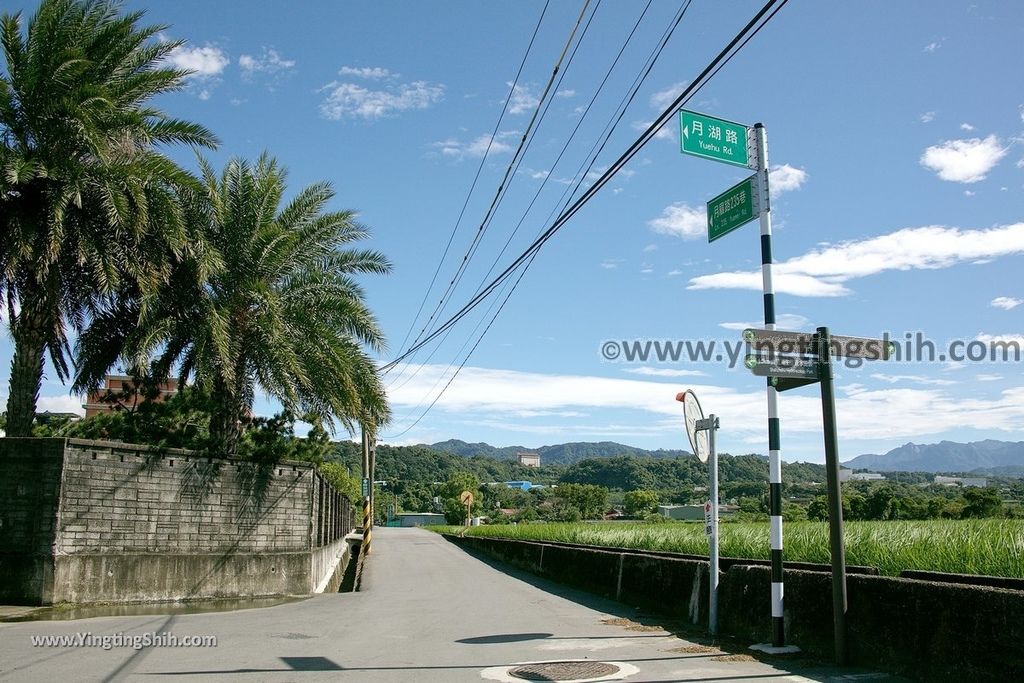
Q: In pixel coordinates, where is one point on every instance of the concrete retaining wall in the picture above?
(86, 521)
(923, 629)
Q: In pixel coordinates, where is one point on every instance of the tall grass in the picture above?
(993, 547)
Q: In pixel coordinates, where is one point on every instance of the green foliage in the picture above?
(640, 503)
(270, 302)
(337, 475)
(87, 202)
(989, 547)
(580, 501)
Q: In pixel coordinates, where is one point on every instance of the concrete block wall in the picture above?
(86, 521)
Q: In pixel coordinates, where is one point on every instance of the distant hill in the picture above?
(558, 454)
(991, 457)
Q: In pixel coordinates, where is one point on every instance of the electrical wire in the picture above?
(751, 29)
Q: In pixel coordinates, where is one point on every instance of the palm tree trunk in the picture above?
(225, 419)
(26, 372)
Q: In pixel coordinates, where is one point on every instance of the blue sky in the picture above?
(895, 133)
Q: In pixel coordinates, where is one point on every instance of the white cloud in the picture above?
(927, 117)
(565, 93)
(674, 272)
(883, 414)
(370, 72)
(681, 220)
(1006, 302)
(1001, 339)
(478, 147)
(785, 321)
(964, 161)
(966, 126)
(823, 271)
(350, 100)
(667, 96)
(664, 372)
(933, 46)
(611, 264)
(270, 62)
(522, 99)
(983, 377)
(663, 133)
(917, 379)
(650, 247)
(204, 62)
(784, 178)
(968, 193)
(60, 404)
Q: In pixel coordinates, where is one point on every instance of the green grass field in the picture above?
(993, 547)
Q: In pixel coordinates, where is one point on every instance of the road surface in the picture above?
(428, 612)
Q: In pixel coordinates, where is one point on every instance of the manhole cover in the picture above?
(563, 671)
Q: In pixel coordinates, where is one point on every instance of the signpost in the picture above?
(735, 207)
(740, 145)
(785, 370)
(466, 498)
(717, 139)
(701, 432)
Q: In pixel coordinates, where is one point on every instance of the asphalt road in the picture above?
(428, 612)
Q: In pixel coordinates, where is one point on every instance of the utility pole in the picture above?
(367, 485)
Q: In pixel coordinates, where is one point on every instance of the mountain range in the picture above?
(1003, 458)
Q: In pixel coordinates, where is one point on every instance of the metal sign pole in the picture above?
(774, 431)
(835, 498)
(713, 492)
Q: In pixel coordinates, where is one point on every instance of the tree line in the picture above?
(156, 269)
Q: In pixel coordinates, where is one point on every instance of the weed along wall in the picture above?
(928, 630)
(88, 521)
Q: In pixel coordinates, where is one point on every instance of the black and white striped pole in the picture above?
(774, 432)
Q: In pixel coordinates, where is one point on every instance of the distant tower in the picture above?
(529, 459)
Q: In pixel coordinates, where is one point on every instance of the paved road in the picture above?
(428, 612)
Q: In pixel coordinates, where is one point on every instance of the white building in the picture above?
(980, 482)
(529, 459)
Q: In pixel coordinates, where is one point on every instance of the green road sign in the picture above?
(366, 487)
(717, 139)
(735, 207)
(782, 341)
(783, 367)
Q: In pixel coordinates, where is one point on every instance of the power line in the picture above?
(476, 177)
(723, 57)
(503, 185)
(582, 174)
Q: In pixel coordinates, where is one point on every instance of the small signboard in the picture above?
(466, 497)
(716, 139)
(709, 527)
(782, 341)
(366, 487)
(793, 367)
(735, 207)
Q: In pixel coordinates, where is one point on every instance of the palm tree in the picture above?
(272, 305)
(87, 203)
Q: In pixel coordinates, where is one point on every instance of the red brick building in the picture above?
(119, 390)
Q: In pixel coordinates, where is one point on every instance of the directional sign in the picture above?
(787, 383)
(709, 527)
(737, 206)
(783, 366)
(366, 487)
(779, 341)
(717, 139)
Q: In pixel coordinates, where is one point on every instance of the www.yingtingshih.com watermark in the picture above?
(110, 641)
(911, 347)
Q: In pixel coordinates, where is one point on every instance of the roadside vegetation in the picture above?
(159, 271)
(992, 547)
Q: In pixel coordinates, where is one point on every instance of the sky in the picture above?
(896, 149)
